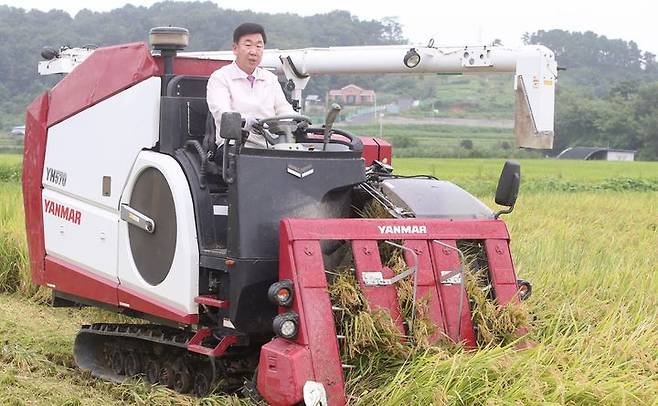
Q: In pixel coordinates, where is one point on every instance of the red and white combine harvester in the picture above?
(128, 208)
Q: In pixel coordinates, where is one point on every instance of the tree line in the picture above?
(25, 33)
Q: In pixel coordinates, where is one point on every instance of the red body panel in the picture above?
(191, 66)
(458, 327)
(71, 279)
(385, 151)
(33, 160)
(137, 301)
(105, 72)
(367, 259)
(376, 149)
(68, 278)
(300, 260)
(367, 229)
(283, 369)
(501, 269)
(427, 288)
(311, 303)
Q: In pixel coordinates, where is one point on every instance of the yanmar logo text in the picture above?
(64, 212)
(402, 229)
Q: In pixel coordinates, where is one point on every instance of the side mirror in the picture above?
(508, 186)
(231, 126)
(230, 129)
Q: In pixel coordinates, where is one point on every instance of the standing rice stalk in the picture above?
(15, 274)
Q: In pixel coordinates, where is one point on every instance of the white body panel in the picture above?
(181, 285)
(76, 183)
(106, 139)
(91, 244)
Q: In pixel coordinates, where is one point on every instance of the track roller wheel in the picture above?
(133, 363)
(152, 370)
(117, 361)
(167, 376)
(202, 384)
(182, 381)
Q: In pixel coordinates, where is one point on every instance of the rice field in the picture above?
(584, 233)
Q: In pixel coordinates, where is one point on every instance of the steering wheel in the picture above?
(353, 142)
(283, 126)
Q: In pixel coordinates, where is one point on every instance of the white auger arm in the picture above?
(534, 67)
(63, 60)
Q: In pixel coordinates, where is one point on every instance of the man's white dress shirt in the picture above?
(230, 90)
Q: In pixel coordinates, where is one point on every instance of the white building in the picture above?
(601, 154)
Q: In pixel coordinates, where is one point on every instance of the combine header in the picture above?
(309, 351)
(129, 208)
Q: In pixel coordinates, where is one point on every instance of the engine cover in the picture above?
(161, 267)
(426, 197)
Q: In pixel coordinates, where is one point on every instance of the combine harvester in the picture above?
(128, 209)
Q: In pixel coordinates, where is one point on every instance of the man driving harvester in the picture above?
(245, 88)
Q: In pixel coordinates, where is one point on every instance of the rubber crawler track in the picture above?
(159, 354)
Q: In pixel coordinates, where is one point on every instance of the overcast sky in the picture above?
(450, 22)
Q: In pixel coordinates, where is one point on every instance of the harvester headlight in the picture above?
(281, 293)
(524, 289)
(286, 325)
(412, 58)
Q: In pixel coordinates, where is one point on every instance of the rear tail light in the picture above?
(281, 293)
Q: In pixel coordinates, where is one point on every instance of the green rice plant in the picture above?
(13, 262)
(590, 255)
(13, 248)
(10, 173)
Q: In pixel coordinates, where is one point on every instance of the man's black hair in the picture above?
(248, 28)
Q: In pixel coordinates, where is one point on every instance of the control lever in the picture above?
(328, 123)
